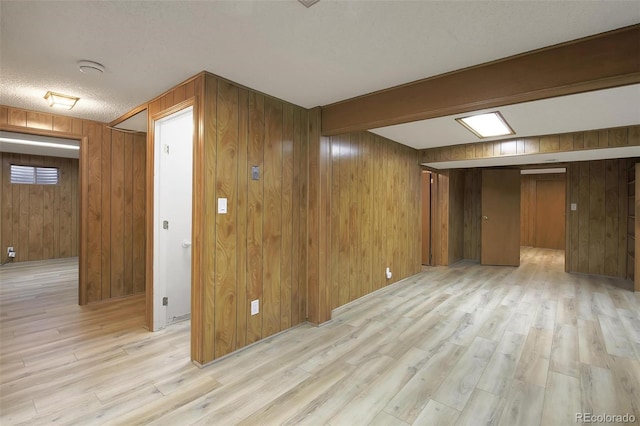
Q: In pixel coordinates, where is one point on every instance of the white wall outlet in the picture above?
(388, 273)
(574, 207)
(255, 307)
(222, 206)
(10, 249)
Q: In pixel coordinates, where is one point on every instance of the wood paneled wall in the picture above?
(116, 188)
(39, 221)
(456, 216)
(440, 218)
(528, 205)
(597, 230)
(636, 235)
(122, 213)
(447, 216)
(258, 249)
(632, 223)
(565, 142)
(374, 216)
(318, 223)
(111, 196)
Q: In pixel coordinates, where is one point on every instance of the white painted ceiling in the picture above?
(332, 51)
(615, 107)
(48, 151)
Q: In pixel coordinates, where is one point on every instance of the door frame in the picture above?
(509, 259)
(83, 188)
(428, 204)
(196, 203)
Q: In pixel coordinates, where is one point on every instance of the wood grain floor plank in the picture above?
(483, 408)
(615, 337)
(412, 399)
(384, 419)
(567, 311)
(456, 389)
(534, 362)
(602, 393)
(565, 356)
(379, 393)
(437, 414)
(284, 407)
(328, 404)
(561, 400)
(627, 372)
(546, 315)
(465, 344)
(591, 344)
(499, 373)
(524, 405)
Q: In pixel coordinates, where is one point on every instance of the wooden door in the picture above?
(426, 218)
(550, 214)
(500, 217)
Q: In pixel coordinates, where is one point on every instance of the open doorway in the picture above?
(169, 297)
(543, 208)
(426, 217)
(40, 197)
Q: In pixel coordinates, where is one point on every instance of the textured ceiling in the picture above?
(310, 57)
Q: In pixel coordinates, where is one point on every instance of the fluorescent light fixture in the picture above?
(35, 143)
(487, 125)
(542, 171)
(61, 101)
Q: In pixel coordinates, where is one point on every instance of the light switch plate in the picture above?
(222, 205)
(574, 207)
(255, 307)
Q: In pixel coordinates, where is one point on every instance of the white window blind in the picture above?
(46, 175)
(34, 175)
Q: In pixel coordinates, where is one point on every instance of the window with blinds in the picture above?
(34, 175)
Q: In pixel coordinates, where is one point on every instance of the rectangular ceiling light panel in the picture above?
(61, 101)
(487, 125)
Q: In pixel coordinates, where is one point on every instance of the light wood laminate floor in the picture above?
(465, 345)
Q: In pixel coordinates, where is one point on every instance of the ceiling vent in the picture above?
(308, 3)
(90, 67)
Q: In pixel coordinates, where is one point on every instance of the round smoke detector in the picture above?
(90, 67)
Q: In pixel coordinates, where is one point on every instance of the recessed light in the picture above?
(61, 101)
(486, 125)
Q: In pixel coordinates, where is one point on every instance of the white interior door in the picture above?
(173, 152)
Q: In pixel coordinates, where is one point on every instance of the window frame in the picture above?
(34, 180)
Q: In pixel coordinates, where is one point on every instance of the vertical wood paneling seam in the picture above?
(239, 170)
(214, 218)
(262, 215)
(237, 234)
(282, 189)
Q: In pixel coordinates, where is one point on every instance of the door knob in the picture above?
(485, 217)
(186, 243)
